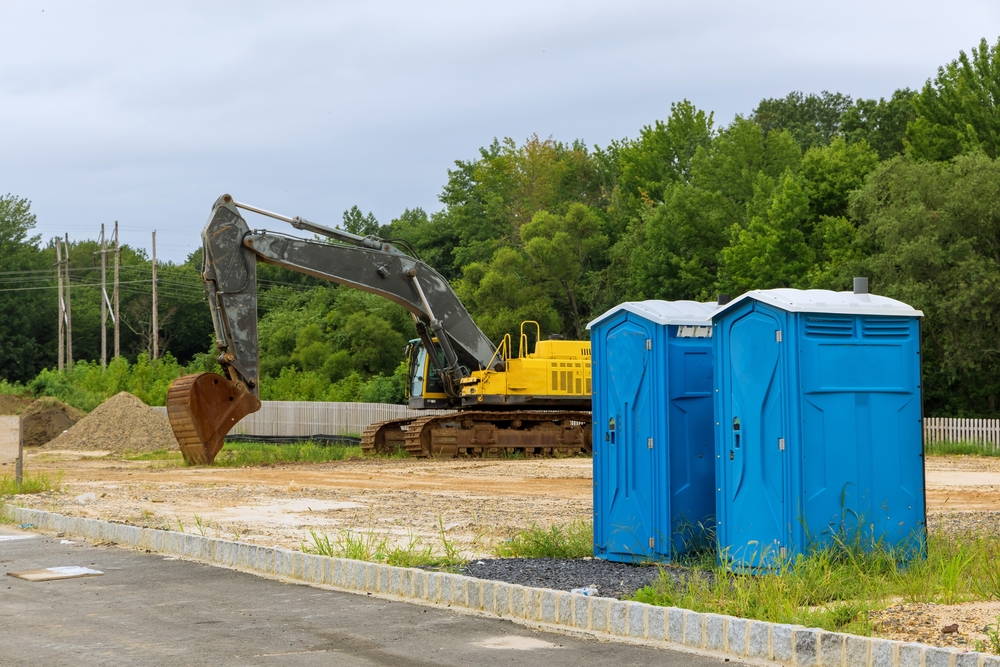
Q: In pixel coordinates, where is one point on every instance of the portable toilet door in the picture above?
(629, 347)
(752, 424)
(625, 419)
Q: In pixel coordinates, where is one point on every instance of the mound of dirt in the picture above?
(120, 424)
(11, 404)
(44, 418)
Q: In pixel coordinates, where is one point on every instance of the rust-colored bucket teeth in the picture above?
(202, 408)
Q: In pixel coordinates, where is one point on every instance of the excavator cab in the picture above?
(424, 387)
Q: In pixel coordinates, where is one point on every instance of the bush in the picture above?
(86, 386)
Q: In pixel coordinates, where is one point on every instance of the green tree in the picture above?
(505, 291)
(959, 110)
(771, 251)
(487, 200)
(27, 332)
(882, 123)
(661, 155)
(432, 239)
(333, 332)
(733, 164)
(812, 120)
(357, 222)
(565, 249)
(831, 172)
(672, 251)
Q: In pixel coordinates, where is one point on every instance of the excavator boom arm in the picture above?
(231, 251)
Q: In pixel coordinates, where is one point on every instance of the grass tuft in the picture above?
(992, 643)
(572, 540)
(37, 483)
(368, 545)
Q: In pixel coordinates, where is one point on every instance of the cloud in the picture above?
(145, 112)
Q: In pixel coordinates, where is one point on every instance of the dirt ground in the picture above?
(476, 502)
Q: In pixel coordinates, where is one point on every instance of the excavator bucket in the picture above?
(202, 408)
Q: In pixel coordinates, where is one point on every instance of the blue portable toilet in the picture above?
(818, 423)
(654, 473)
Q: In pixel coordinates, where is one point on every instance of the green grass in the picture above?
(37, 483)
(246, 454)
(961, 448)
(992, 643)
(572, 540)
(835, 588)
(368, 545)
(158, 455)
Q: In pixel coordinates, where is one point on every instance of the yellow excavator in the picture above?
(494, 402)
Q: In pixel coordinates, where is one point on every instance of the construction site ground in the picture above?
(476, 502)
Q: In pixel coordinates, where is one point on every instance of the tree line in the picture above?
(804, 191)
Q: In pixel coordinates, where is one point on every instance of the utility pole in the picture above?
(104, 296)
(156, 326)
(69, 313)
(61, 309)
(115, 295)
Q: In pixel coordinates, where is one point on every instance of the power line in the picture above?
(28, 289)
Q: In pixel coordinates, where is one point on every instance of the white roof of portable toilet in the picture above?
(824, 301)
(684, 313)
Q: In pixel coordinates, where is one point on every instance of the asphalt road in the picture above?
(151, 610)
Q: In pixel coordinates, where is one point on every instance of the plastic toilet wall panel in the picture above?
(692, 442)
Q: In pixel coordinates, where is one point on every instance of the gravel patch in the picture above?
(979, 522)
(613, 580)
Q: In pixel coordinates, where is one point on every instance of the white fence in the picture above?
(983, 431)
(306, 418)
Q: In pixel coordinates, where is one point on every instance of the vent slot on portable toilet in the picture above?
(878, 327)
(830, 326)
(694, 332)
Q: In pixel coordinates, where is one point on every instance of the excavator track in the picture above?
(385, 437)
(484, 433)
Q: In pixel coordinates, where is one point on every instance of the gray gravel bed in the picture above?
(982, 522)
(614, 580)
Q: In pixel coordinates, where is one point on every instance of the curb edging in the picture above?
(606, 618)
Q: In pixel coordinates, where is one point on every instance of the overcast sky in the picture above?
(146, 112)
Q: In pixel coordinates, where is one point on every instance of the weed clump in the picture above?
(369, 545)
(37, 483)
(572, 540)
